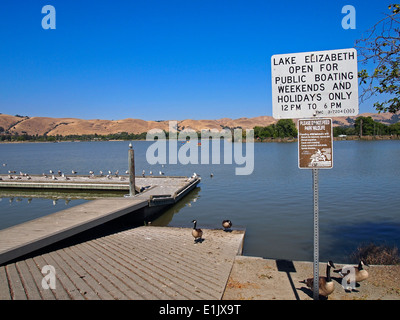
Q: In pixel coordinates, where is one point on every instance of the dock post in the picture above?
(131, 171)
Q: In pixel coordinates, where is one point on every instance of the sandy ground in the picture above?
(254, 278)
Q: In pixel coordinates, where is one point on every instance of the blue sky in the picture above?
(161, 60)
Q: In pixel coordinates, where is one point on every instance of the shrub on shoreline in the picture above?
(372, 253)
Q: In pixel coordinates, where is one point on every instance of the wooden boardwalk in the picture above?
(140, 263)
(33, 235)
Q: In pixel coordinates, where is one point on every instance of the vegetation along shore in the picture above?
(266, 129)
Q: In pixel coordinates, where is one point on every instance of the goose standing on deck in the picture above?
(359, 272)
(196, 232)
(326, 285)
(227, 224)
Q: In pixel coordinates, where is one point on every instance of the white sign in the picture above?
(315, 84)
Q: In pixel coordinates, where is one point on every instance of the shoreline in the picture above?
(258, 140)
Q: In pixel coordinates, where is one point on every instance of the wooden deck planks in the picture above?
(35, 234)
(140, 263)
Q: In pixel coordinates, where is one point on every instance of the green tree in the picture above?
(381, 47)
(394, 128)
(286, 128)
(370, 127)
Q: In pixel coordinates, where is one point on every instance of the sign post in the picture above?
(316, 235)
(312, 86)
(315, 152)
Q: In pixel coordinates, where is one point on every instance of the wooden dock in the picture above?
(33, 235)
(141, 263)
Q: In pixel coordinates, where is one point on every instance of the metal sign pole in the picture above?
(316, 234)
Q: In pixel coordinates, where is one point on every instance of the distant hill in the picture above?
(69, 126)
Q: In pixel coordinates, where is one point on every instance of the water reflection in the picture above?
(188, 201)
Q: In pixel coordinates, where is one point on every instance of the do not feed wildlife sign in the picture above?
(315, 84)
(315, 143)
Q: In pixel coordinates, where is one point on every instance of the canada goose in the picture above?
(227, 224)
(360, 273)
(326, 285)
(196, 232)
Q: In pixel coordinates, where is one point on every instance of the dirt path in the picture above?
(254, 278)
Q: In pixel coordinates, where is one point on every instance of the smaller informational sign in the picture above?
(315, 143)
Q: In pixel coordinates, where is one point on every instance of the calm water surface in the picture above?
(359, 200)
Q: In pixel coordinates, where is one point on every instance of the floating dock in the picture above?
(142, 263)
(157, 194)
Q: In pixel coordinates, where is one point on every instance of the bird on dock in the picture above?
(161, 173)
(196, 232)
(53, 177)
(74, 172)
(51, 171)
(59, 173)
(127, 172)
(10, 176)
(326, 285)
(227, 224)
(101, 173)
(151, 172)
(359, 272)
(143, 172)
(116, 173)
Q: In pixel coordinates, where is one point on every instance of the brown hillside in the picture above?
(70, 126)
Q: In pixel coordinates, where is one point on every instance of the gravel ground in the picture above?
(254, 278)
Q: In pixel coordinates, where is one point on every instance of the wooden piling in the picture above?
(131, 171)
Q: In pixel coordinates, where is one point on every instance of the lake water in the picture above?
(358, 199)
